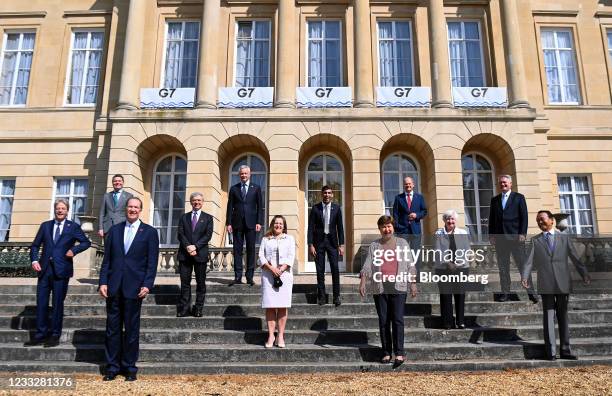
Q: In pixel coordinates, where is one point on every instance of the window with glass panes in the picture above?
(560, 66)
(395, 53)
(15, 67)
(324, 54)
(478, 189)
(169, 185)
(253, 54)
(75, 192)
(7, 195)
(395, 169)
(84, 69)
(575, 198)
(465, 52)
(181, 54)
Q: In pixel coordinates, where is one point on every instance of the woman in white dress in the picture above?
(276, 257)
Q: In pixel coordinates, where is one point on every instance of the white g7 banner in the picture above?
(167, 98)
(323, 96)
(233, 97)
(403, 96)
(480, 97)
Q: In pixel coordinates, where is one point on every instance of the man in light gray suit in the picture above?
(549, 251)
(112, 210)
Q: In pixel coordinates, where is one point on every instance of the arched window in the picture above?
(324, 169)
(169, 184)
(259, 176)
(478, 190)
(394, 169)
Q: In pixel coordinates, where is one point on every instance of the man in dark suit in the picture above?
(408, 210)
(112, 209)
(195, 229)
(326, 236)
(549, 252)
(508, 221)
(131, 250)
(244, 217)
(54, 267)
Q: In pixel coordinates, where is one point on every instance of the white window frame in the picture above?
(70, 197)
(402, 175)
(395, 40)
(87, 50)
(253, 40)
(494, 190)
(162, 77)
(8, 230)
(323, 52)
(463, 40)
(171, 208)
(17, 62)
(562, 82)
(574, 193)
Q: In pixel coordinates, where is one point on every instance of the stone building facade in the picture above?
(71, 114)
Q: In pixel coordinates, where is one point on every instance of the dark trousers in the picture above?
(240, 235)
(503, 249)
(323, 248)
(121, 346)
(47, 283)
(186, 268)
(555, 304)
(390, 310)
(414, 241)
(448, 291)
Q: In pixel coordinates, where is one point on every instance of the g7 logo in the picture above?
(479, 92)
(323, 92)
(165, 92)
(245, 92)
(402, 92)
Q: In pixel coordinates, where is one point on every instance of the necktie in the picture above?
(243, 190)
(194, 221)
(326, 218)
(409, 201)
(115, 198)
(550, 242)
(504, 200)
(128, 239)
(57, 234)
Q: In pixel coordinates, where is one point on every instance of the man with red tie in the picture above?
(408, 210)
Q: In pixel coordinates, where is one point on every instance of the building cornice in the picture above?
(30, 14)
(556, 13)
(87, 13)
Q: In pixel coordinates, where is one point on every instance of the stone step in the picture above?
(312, 322)
(366, 308)
(304, 353)
(335, 337)
(255, 298)
(154, 368)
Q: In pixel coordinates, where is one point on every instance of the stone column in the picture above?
(132, 56)
(287, 55)
(207, 74)
(517, 93)
(364, 96)
(438, 47)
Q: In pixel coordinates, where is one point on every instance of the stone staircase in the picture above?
(230, 337)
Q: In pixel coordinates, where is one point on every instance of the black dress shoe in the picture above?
(52, 342)
(397, 363)
(503, 297)
(552, 358)
(109, 377)
(130, 377)
(568, 356)
(198, 312)
(321, 300)
(337, 301)
(533, 298)
(461, 326)
(251, 282)
(35, 342)
(183, 313)
(235, 282)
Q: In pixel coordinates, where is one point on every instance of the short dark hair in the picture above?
(325, 188)
(384, 220)
(134, 198)
(118, 175)
(548, 213)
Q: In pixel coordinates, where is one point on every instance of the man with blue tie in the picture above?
(112, 209)
(408, 210)
(59, 239)
(507, 231)
(244, 217)
(131, 251)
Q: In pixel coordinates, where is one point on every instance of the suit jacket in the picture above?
(554, 275)
(111, 214)
(442, 244)
(512, 220)
(316, 226)
(54, 254)
(129, 272)
(401, 212)
(250, 209)
(198, 237)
